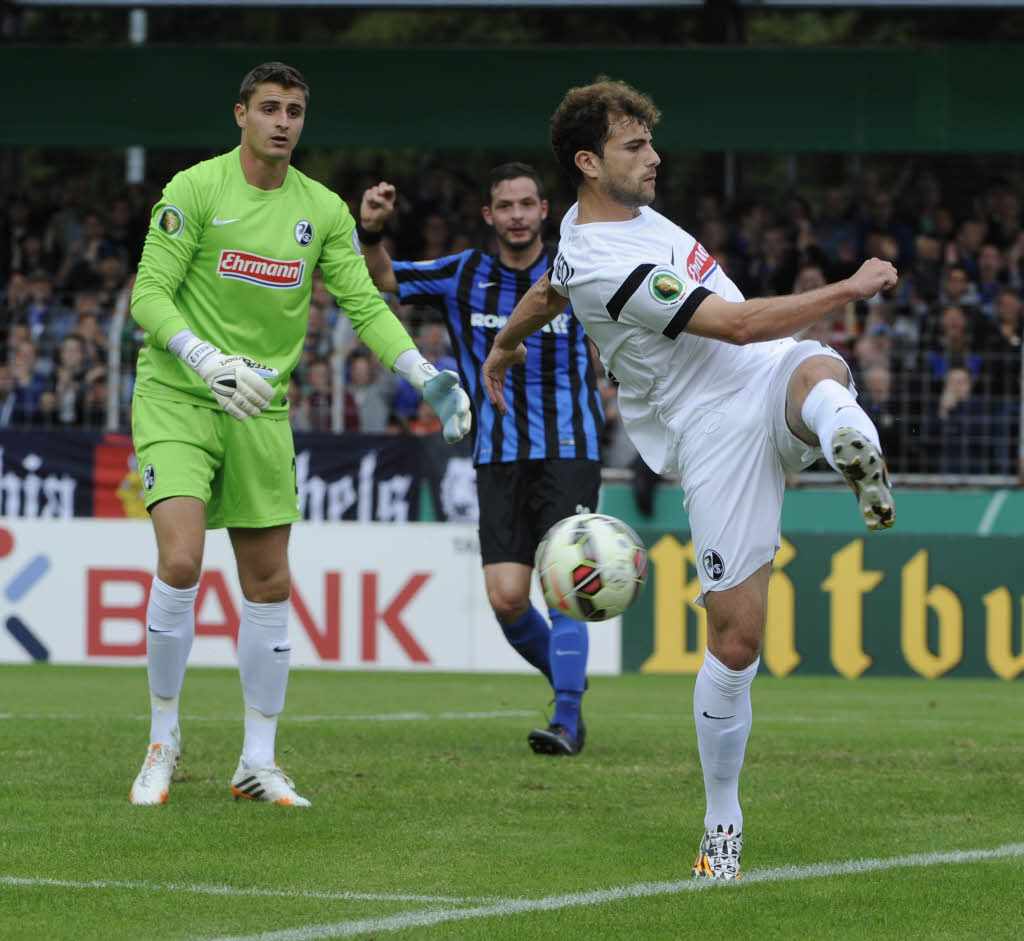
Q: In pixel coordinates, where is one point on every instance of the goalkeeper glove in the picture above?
(238, 383)
(443, 395)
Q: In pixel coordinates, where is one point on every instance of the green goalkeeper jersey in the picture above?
(234, 264)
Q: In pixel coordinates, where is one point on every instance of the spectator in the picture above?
(316, 389)
(47, 317)
(33, 253)
(29, 383)
(17, 299)
(963, 250)
(838, 331)
(435, 237)
(81, 266)
(990, 277)
(960, 427)
(877, 399)
(110, 276)
(881, 220)
(951, 349)
(14, 226)
(957, 288)
(836, 233)
(772, 269)
(372, 390)
(67, 399)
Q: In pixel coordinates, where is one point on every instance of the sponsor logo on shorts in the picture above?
(266, 272)
(665, 286)
(171, 221)
(699, 263)
(713, 565)
(148, 477)
(304, 232)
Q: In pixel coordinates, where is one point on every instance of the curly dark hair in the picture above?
(582, 120)
(276, 72)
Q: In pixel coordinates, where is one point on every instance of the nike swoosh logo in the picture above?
(566, 653)
(281, 649)
(486, 284)
(706, 716)
(217, 221)
(156, 630)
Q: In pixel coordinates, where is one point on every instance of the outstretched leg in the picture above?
(821, 410)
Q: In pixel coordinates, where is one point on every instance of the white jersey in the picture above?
(634, 286)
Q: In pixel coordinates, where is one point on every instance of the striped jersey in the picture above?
(634, 285)
(554, 408)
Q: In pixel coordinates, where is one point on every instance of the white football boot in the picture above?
(719, 855)
(266, 783)
(860, 462)
(154, 779)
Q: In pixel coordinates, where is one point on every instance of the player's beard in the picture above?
(628, 194)
(532, 235)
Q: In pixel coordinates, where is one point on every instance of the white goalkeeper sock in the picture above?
(264, 656)
(722, 715)
(830, 406)
(170, 629)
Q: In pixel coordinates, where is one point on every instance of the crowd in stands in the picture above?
(937, 360)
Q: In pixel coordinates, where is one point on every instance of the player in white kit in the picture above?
(711, 387)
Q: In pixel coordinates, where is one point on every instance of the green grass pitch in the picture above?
(432, 819)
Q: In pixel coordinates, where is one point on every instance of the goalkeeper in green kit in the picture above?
(223, 293)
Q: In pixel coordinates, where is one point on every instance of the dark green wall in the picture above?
(947, 99)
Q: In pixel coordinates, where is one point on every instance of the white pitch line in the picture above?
(423, 919)
(372, 717)
(988, 518)
(200, 889)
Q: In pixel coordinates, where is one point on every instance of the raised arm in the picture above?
(377, 204)
(537, 307)
(772, 318)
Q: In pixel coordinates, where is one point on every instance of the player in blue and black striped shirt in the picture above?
(540, 462)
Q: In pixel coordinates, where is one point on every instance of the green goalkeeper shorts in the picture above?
(243, 471)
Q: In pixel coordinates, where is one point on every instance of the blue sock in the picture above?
(531, 638)
(569, 645)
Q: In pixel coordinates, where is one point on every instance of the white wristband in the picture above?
(412, 366)
(190, 349)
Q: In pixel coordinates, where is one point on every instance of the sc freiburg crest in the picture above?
(713, 565)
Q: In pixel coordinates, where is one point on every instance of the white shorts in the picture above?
(734, 460)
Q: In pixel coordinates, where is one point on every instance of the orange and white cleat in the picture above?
(154, 779)
(719, 854)
(863, 466)
(267, 783)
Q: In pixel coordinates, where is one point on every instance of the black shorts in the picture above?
(521, 500)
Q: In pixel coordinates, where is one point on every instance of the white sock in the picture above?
(264, 656)
(722, 714)
(830, 406)
(170, 629)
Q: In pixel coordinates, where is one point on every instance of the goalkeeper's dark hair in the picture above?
(511, 171)
(276, 72)
(583, 120)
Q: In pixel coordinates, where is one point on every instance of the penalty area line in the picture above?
(435, 916)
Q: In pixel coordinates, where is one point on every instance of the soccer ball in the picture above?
(591, 566)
